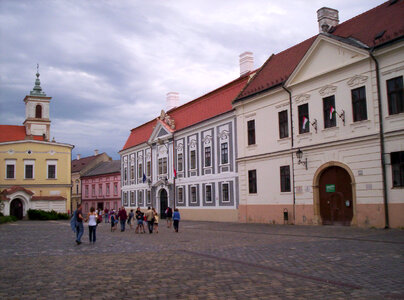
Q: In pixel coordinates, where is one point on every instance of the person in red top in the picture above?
(122, 215)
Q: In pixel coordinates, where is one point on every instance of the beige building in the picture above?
(321, 126)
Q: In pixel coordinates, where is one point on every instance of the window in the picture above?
(251, 132)
(51, 169)
(148, 197)
(252, 181)
(224, 153)
(179, 162)
(115, 188)
(125, 175)
(180, 195)
(141, 197)
(100, 190)
(304, 123)
(125, 199)
(207, 157)
(148, 168)
(107, 188)
(397, 168)
(140, 172)
(395, 95)
(77, 188)
(285, 179)
(283, 124)
(38, 111)
(86, 190)
(193, 194)
(10, 169)
(193, 159)
(132, 172)
(29, 169)
(359, 109)
(163, 165)
(330, 119)
(93, 190)
(208, 193)
(225, 192)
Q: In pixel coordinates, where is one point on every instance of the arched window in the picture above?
(38, 111)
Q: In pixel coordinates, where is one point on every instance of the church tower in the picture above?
(37, 120)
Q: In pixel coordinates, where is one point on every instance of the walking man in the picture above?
(122, 217)
(79, 224)
(150, 219)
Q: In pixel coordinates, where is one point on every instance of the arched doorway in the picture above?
(163, 203)
(16, 209)
(335, 196)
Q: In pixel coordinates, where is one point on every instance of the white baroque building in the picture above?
(186, 158)
(321, 126)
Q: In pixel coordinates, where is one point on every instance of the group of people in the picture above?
(150, 217)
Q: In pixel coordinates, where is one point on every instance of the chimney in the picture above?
(173, 100)
(95, 152)
(78, 156)
(246, 62)
(327, 18)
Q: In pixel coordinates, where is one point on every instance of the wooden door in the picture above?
(336, 197)
(163, 203)
(16, 209)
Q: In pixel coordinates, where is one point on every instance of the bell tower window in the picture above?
(38, 111)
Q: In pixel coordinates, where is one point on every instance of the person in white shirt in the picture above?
(92, 224)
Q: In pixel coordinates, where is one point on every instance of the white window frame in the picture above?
(181, 200)
(196, 194)
(52, 162)
(8, 163)
(206, 189)
(29, 162)
(228, 192)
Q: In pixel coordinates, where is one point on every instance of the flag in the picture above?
(305, 121)
(144, 177)
(175, 173)
(332, 111)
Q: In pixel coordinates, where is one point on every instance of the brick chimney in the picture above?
(246, 62)
(173, 100)
(327, 18)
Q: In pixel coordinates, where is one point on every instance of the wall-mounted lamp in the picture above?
(299, 155)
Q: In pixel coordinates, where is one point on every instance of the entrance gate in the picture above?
(16, 209)
(336, 206)
(163, 203)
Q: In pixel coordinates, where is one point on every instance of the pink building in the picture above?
(101, 187)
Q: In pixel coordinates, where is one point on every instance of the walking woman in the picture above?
(176, 218)
(92, 224)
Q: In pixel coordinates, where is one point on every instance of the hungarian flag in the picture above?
(332, 111)
(175, 173)
(305, 121)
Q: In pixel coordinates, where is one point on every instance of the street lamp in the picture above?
(299, 155)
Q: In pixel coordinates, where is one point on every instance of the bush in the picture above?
(6, 219)
(38, 214)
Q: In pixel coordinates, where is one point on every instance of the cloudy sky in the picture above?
(108, 64)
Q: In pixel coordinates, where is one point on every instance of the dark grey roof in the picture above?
(106, 167)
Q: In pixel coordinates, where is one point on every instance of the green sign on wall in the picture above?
(330, 188)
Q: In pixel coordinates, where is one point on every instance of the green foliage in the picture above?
(6, 219)
(37, 214)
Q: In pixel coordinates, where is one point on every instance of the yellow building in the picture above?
(36, 172)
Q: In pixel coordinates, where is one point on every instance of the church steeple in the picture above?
(37, 120)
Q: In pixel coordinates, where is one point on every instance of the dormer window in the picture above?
(38, 112)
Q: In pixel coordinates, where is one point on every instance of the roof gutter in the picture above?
(381, 137)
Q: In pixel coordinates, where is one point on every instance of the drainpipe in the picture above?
(174, 163)
(381, 137)
(292, 145)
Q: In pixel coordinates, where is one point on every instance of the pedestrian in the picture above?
(122, 217)
(114, 221)
(156, 221)
(150, 219)
(79, 224)
(92, 224)
(131, 215)
(169, 215)
(106, 215)
(176, 218)
(139, 219)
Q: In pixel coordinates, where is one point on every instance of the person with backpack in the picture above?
(176, 218)
(169, 214)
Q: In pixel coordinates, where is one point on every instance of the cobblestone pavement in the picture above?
(205, 260)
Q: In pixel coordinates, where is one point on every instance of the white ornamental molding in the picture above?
(207, 139)
(162, 149)
(192, 144)
(11, 151)
(148, 155)
(327, 90)
(180, 146)
(302, 98)
(357, 80)
(223, 135)
(167, 119)
(139, 156)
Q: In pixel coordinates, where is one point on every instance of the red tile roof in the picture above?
(10, 133)
(364, 27)
(6, 192)
(78, 165)
(203, 108)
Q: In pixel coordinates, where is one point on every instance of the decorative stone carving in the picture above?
(192, 143)
(167, 119)
(223, 135)
(180, 146)
(302, 98)
(207, 139)
(327, 90)
(357, 80)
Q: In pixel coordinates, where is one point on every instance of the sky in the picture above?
(108, 65)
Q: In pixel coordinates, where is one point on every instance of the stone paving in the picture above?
(205, 260)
